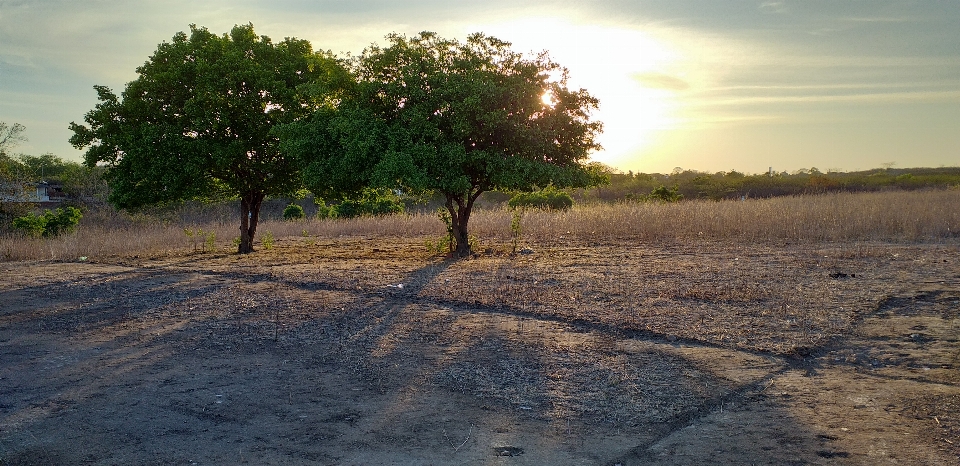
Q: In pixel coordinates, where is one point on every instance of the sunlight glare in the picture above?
(547, 99)
(630, 71)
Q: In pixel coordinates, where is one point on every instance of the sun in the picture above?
(547, 99)
(629, 71)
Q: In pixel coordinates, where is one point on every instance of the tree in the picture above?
(13, 178)
(46, 166)
(10, 136)
(430, 114)
(197, 123)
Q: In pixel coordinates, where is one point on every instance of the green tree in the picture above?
(46, 166)
(460, 119)
(197, 123)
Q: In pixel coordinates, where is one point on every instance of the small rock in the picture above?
(508, 451)
(526, 251)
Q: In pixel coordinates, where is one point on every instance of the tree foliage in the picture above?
(460, 119)
(198, 121)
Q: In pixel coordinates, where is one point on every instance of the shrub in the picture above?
(373, 202)
(663, 194)
(31, 224)
(51, 223)
(549, 198)
(267, 240)
(293, 212)
(323, 210)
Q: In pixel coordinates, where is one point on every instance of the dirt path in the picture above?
(341, 353)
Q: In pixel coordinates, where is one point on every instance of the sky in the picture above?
(706, 85)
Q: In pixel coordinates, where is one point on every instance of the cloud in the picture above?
(898, 19)
(655, 80)
(773, 7)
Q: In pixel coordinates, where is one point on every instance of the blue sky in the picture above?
(703, 85)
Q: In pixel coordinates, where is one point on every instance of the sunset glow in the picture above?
(711, 86)
(637, 92)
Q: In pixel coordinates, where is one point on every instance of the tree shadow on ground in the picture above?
(199, 363)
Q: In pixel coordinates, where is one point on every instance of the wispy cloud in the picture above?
(884, 19)
(773, 7)
(876, 97)
(661, 81)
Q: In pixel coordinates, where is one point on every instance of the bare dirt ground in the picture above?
(355, 351)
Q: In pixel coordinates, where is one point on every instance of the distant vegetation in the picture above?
(548, 198)
(692, 184)
(852, 218)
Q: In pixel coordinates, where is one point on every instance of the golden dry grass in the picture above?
(896, 216)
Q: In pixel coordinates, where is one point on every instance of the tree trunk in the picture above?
(249, 217)
(460, 210)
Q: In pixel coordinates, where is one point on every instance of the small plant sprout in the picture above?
(210, 241)
(192, 235)
(267, 240)
(516, 229)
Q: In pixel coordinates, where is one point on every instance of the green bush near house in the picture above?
(51, 223)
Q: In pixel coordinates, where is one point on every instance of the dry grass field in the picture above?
(818, 330)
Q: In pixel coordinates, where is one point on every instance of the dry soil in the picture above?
(360, 351)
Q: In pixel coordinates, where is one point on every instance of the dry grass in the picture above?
(889, 216)
(903, 217)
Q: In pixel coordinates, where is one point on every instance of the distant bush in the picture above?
(371, 202)
(549, 198)
(293, 212)
(732, 184)
(664, 194)
(323, 210)
(51, 223)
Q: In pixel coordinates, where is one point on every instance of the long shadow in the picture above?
(62, 369)
(391, 310)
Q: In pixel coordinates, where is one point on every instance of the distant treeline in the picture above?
(692, 184)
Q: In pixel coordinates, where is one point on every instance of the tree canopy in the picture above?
(432, 114)
(198, 121)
